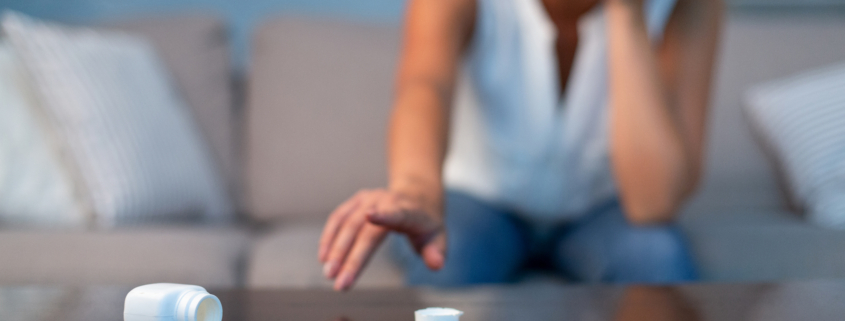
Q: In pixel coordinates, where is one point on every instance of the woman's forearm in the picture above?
(417, 143)
(650, 162)
(435, 34)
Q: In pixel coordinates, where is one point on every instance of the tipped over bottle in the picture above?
(171, 302)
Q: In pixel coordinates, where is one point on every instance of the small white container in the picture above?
(171, 302)
(437, 314)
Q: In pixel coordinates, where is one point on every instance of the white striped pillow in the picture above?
(802, 118)
(36, 190)
(126, 130)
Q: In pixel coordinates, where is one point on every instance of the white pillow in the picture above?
(129, 134)
(35, 189)
(802, 118)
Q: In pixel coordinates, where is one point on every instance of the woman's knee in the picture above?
(651, 254)
(664, 243)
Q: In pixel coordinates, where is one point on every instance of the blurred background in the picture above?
(241, 17)
(250, 120)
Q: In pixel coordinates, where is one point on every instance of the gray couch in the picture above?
(311, 132)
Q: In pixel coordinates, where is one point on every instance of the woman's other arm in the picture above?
(658, 100)
(435, 33)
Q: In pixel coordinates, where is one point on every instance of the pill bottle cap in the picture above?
(437, 314)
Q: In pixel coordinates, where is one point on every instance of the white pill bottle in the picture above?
(171, 302)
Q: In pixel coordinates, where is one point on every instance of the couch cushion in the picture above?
(758, 45)
(208, 257)
(764, 246)
(287, 257)
(319, 94)
(196, 51)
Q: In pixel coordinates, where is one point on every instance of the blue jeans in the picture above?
(487, 244)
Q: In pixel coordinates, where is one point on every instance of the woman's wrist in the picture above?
(426, 194)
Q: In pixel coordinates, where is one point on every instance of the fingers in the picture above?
(434, 252)
(365, 245)
(345, 238)
(391, 215)
(333, 224)
(425, 232)
(357, 227)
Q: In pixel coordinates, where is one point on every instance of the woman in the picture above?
(576, 134)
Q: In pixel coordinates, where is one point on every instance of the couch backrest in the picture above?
(196, 51)
(318, 97)
(320, 93)
(758, 45)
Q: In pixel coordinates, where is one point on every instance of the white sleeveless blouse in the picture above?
(514, 142)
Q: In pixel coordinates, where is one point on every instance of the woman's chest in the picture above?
(564, 16)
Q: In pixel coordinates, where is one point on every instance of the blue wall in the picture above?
(242, 15)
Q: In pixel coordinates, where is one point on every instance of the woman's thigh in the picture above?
(485, 245)
(605, 247)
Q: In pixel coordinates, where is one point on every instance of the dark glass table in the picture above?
(810, 300)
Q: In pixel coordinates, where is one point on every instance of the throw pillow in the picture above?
(36, 190)
(802, 119)
(130, 135)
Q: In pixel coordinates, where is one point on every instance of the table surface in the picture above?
(810, 300)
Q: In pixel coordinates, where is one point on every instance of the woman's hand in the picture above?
(358, 226)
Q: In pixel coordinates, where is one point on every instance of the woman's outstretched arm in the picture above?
(435, 33)
(658, 98)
